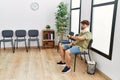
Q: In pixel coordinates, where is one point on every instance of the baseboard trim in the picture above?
(104, 75)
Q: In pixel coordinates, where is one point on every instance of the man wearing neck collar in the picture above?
(79, 45)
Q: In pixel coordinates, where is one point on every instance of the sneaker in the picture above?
(66, 69)
(61, 63)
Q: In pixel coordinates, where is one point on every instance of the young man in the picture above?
(79, 45)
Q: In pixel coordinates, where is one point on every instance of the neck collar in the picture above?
(85, 30)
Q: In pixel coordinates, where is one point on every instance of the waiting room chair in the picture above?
(20, 37)
(33, 36)
(84, 53)
(7, 37)
(65, 41)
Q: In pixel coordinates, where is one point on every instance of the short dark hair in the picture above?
(85, 22)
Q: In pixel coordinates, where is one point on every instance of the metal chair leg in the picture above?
(38, 45)
(85, 58)
(89, 56)
(26, 46)
(28, 43)
(4, 44)
(75, 62)
(17, 44)
(12, 46)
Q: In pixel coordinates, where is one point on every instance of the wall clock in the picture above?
(34, 6)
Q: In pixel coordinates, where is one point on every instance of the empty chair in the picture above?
(20, 37)
(33, 36)
(68, 40)
(7, 37)
(65, 41)
(84, 53)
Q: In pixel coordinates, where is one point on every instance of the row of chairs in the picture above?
(20, 37)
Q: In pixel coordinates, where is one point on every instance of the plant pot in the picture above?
(61, 36)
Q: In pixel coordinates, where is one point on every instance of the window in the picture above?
(75, 3)
(75, 21)
(75, 16)
(103, 24)
(102, 1)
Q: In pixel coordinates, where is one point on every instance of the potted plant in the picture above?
(61, 17)
(48, 27)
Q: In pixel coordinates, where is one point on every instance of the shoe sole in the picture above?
(61, 65)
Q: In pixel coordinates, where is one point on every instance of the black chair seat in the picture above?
(6, 40)
(33, 39)
(64, 41)
(20, 40)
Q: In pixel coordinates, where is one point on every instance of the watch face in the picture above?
(34, 6)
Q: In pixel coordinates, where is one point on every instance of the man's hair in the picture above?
(85, 22)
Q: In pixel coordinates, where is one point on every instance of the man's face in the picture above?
(83, 26)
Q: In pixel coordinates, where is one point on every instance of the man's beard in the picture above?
(82, 28)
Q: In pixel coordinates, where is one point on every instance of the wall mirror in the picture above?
(103, 16)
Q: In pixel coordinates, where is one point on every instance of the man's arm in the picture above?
(77, 37)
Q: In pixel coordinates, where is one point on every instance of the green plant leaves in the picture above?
(61, 17)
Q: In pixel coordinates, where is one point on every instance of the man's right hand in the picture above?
(68, 36)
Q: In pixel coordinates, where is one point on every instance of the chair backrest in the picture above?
(71, 33)
(7, 33)
(90, 44)
(33, 33)
(20, 33)
(76, 34)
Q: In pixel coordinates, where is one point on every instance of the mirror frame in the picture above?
(112, 29)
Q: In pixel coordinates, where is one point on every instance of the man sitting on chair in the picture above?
(80, 45)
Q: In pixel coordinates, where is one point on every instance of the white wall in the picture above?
(17, 14)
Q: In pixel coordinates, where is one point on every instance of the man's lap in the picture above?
(72, 49)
